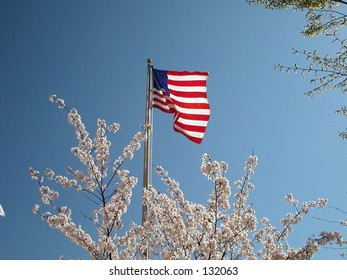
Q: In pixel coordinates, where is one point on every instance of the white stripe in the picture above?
(195, 100)
(191, 100)
(158, 92)
(190, 133)
(162, 106)
(163, 98)
(187, 89)
(187, 78)
(192, 122)
(193, 111)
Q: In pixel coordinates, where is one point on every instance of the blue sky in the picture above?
(93, 55)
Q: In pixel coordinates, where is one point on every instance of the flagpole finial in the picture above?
(149, 60)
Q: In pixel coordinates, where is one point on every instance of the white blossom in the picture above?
(225, 227)
(114, 127)
(34, 174)
(61, 103)
(321, 202)
(53, 98)
(290, 198)
(36, 208)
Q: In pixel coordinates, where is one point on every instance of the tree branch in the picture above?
(340, 1)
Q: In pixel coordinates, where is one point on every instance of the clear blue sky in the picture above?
(93, 55)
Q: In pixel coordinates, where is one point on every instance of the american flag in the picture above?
(183, 94)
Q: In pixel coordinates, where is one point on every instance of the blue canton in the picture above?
(160, 80)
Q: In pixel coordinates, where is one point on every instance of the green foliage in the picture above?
(295, 4)
(323, 17)
(323, 21)
(327, 73)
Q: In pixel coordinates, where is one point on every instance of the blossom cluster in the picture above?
(112, 198)
(226, 227)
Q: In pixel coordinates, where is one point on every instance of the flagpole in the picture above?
(147, 170)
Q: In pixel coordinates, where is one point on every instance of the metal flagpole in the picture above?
(147, 167)
(2, 212)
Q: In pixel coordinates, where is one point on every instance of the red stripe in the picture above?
(189, 94)
(191, 105)
(180, 104)
(194, 139)
(156, 101)
(195, 117)
(161, 109)
(186, 73)
(193, 128)
(187, 83)
(161, 96)
(164, 103)
(158, 93)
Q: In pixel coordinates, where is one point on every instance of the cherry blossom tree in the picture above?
(175, 228)
(329, 71)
